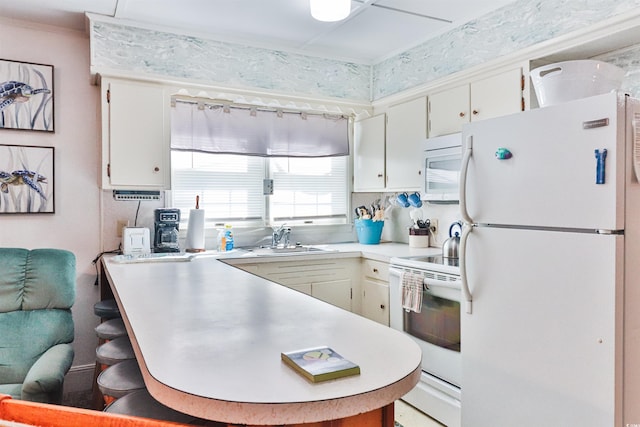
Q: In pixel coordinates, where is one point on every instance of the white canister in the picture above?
(419, 237)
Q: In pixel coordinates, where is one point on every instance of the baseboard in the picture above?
(79, 378)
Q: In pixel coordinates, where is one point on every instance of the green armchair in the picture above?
(37, 290)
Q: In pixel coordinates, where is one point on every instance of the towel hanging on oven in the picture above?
(411, 291)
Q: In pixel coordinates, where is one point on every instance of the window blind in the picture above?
(256, 131)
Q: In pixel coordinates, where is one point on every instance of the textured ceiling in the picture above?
(375, 29)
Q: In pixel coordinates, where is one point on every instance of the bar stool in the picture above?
(106, 309)
(108, 354)
(111, 329)
(141, 404)
(114, 351)
(120, 379)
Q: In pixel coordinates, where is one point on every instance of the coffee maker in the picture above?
(167, 223)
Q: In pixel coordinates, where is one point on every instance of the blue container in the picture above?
(369, 231)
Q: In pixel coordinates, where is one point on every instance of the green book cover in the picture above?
(320, 364)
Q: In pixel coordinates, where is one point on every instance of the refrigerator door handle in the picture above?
(466, 292)
(466, 157)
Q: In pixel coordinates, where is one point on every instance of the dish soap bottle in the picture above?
(228, 237)
(221, 241)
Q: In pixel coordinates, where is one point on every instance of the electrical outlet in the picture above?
(122, 223)
(435, 239)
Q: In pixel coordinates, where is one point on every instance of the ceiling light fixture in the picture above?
(330, 10)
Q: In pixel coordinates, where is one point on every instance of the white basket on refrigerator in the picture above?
(569, 80)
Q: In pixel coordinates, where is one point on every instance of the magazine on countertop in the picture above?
(320, 364)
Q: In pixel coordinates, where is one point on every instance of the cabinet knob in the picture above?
(156, 169)
(375, 270)
(379, 175)
(475, 112)
(462, 114)
(382, 306)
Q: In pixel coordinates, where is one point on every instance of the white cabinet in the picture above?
(406, 129)
(336, 292)
(490, 97)
(368, 153)
(331, 280)
(387, 148)
(375, 291)
(135, 135)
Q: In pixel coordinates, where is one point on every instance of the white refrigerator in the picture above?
(550, 262)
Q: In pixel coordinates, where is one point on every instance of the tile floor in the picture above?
(408, 416)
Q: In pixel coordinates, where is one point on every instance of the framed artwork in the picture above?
(26, 179)
(26, 96)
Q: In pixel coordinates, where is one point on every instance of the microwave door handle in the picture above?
(466, 157)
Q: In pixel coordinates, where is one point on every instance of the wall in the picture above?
(521, 24)
(75, 224)
(516, 26)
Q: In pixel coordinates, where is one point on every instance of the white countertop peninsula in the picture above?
(208, 337)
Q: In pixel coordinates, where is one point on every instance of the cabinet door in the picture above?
(336, 292)
(375, 301)
(406, 129)
(137, 135)
(497, 96)
(368, 155)
(448, 111)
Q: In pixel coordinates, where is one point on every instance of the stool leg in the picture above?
(97, 399)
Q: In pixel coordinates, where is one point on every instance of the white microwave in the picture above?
(441, 159)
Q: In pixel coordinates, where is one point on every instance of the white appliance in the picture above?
(436, 329)
(136, 241)
(549, 264)
(441, 158)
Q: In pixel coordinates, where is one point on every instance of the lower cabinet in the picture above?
(335, 281)
(375, 291)
(360, 285)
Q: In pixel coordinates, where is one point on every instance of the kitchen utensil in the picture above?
(451, 246)
(362, 212)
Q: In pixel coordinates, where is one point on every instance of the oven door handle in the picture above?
(441, 283)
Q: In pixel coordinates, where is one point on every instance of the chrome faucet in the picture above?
(279, 234)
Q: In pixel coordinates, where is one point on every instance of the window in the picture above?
(231, 186)
(306, 190)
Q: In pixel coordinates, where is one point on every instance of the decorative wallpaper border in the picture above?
(160, 53)
(518, 25)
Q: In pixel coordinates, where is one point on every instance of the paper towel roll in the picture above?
(195, 231)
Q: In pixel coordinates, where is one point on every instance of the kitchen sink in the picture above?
(285, 250)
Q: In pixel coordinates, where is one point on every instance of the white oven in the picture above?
(436, 328)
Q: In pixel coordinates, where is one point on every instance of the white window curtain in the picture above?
(255, 131)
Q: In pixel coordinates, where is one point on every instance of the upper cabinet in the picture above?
(368, 154)
(135, 135)
(406, 129)
(493, 96)
(386, 148)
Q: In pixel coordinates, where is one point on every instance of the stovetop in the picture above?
(437, 259)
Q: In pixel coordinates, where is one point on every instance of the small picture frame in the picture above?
(26, 96)
(26, 179)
